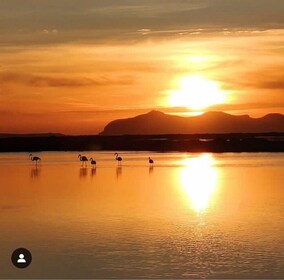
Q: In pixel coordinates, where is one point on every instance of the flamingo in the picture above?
(93, 162)
(151, 161)
(83, 159)
(36, 159)
(119, 159)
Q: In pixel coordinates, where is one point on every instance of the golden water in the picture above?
(188, 216)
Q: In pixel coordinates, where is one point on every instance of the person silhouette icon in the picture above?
(21, 259)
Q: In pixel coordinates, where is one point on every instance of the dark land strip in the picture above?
(216, 143)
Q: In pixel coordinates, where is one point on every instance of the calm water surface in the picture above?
(189, 216)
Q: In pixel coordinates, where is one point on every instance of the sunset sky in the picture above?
(71, 66)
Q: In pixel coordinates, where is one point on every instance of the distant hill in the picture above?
(10, 135)
(156, 122)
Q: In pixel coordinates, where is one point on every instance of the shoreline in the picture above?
(194, 143)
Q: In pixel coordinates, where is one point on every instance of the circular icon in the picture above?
(21, 258)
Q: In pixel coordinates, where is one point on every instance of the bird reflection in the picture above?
(93, 171)
(118, 171)
(151, 169)
(198, 180)
(83, 172)
(35, 172)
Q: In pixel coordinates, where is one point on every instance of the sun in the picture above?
(195, 92)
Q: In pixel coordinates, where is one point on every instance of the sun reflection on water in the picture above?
(198, 180)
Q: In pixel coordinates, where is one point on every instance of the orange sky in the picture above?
(68, 72)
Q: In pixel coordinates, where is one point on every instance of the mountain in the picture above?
(156, 122)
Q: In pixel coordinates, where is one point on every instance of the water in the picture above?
(189, 216)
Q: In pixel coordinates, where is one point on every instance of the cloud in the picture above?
(47, 81)
(144, 31)
(271, 84)
(258, 84)
(246, 106)
(46, 31)
(267, 78)
(23, 22)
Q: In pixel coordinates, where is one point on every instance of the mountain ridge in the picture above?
(156, 122)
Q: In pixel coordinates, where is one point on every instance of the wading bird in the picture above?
(119, 159)
(36, 159)
(83, 159)
(151, 162)
(93, 162)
